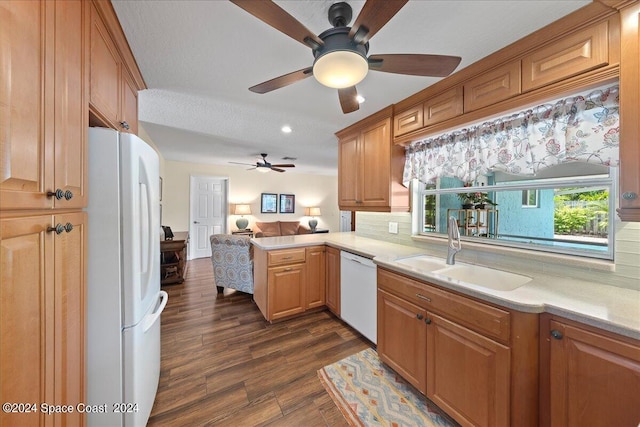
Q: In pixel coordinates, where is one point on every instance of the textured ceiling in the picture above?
(199, 58)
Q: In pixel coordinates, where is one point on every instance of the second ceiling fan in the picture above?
(341, 52)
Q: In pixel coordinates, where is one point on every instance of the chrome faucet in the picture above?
(454, 241)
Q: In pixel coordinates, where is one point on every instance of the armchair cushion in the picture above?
(231, 256)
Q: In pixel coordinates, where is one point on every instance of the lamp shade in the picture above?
(314, 211)
(242, 210)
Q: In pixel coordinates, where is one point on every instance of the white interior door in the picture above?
(208, 213)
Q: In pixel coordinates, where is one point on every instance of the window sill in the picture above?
(524, 254)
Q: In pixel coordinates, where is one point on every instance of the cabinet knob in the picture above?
(629, 195)
(196, 222)
(556, 334)
(58, 228)
(125, 125)
(68, 195)
(58, 194)
(68, 227)
(419, 316)
(427, 321)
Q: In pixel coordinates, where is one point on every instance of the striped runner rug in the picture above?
(371, 394)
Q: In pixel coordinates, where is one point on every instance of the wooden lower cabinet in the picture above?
(332, 268)
(476, 361)
(592, 378)
(402, 338)
(316, 277)
(286, 290)
(468, 375)
(42, 316)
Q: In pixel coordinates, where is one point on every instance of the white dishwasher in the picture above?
(358, 290)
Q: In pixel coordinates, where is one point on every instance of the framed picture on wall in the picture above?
(269, 203)
(287, 203)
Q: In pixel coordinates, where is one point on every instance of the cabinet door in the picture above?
(129, 119)
(316, 283)
(402, 338)
(595, 380)
(629, 112)
(492, 87)
(70, 100)
(69, 342)
(348, 172)
(333, 280)
(408, 121)
(375, 170)
(467, 374)
(26, 316)
(25, 155)
(286, 290)
(105, 88)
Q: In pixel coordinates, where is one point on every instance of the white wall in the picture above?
(245, 186)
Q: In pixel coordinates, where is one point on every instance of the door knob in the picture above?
(427, 321)
(419, 316)
(58, 194)
(556, 334)
(58, 228)
(68, 227)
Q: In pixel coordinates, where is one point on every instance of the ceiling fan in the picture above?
(265, 166)
(341, 52)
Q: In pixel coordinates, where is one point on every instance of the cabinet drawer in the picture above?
(444, 106)
(286, 256)
(407, 121)
(575, 54)
(492, 87)
(482, 318)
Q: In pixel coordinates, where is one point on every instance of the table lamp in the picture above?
(313, 212)
(242, 222)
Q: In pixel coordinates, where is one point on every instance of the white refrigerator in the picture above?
(123, 279)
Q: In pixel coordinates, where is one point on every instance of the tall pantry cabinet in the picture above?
(43, 117)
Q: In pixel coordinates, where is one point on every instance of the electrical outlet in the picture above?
(393, 227)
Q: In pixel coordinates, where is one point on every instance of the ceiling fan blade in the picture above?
(282, 81)
(373, 16)
(285, 165)
(273, 15)
(244, 164)
(277, 170)
(415, 64)
(348, 99)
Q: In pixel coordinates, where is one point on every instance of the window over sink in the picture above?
(567, 209)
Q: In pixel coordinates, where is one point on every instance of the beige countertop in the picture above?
(608, 307)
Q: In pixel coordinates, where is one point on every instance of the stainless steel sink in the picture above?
(485, 277)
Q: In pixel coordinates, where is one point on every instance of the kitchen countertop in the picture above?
(608, 307)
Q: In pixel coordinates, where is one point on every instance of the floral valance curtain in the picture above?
(582, 128)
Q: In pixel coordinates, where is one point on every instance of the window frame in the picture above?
(601, 180)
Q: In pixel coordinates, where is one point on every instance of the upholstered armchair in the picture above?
(232, 260)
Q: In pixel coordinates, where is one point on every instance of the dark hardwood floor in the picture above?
(223, 364)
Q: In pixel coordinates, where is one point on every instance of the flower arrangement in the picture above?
(477, 198)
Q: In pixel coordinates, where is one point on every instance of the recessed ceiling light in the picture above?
(360, 99)
(286, 129)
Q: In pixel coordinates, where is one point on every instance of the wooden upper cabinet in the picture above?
(594, 378)
(629, 113)
(370, 167)
(129, 120)
(574, 54)
(105, 70)
(408, 120)
(44, 119)
(444, 106)
(114, 86)
(492, 87)
(26, 146)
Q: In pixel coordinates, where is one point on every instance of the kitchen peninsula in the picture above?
(524, 344)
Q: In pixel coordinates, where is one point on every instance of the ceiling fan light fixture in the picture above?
(263, 169)
(340, 69)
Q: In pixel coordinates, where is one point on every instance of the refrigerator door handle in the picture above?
(151, 319)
